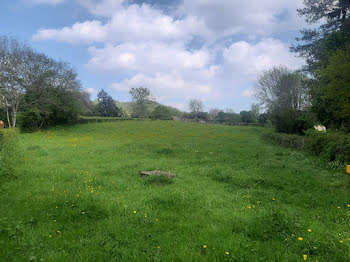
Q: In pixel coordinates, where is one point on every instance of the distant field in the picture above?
(235, 197)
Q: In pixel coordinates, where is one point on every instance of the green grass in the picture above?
(80, 197)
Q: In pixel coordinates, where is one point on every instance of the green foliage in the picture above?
(332, 103)
(142, 99)
(247, 117)
(292, 122)
(239, 195)
(161, 112)
(229, 118)
(11, 157)
(106, 105)
(55, 106)
(330, 146)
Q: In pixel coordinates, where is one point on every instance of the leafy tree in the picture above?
(106, 105)
(280, 87)
(196, 106)
(161, 112)
(213, 113)
(255, 110)
(317, 43)
(284, 95)
(332, 103)
(53, 95)
(15, 63)
(229, 118)
(247, 116)
(141, 98)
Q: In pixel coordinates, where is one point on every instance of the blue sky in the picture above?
(180, 49)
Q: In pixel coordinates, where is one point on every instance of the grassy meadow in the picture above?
(235, 197)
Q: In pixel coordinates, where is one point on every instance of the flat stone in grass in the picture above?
(157, 173)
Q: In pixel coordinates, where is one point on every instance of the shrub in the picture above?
(11, 158)
(291, 121)
(331, 146)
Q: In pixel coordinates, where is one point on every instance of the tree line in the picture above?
(318, 93)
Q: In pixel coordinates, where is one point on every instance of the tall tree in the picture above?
(106, 105)
(255, 109)
(317, 43)
(332, 103)
(14, 67)
(196, 106)
(280, 87)
(141, 98)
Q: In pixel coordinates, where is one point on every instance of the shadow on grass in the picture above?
(158, 180)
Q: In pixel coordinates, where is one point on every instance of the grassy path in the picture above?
(235, 198)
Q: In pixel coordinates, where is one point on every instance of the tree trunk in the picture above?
(8, 117)
(14, 115)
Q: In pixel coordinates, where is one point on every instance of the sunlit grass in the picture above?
(81, 198)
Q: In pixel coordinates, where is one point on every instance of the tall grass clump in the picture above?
(11, 158)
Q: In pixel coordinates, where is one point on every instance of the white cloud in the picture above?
(147, 57)
(249, 60)
(166, 85)
(133, 23)
(227, 17)
(90, 90)
(151, 48)
(89, 31)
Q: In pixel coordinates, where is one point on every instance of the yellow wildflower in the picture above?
(134, 212)
(204, 246)
(249, 207)
(273, 199)
(305, 257)
(300, 238)
(309, 230)
(54, 220)
(227, 253)
(50, 235)
(83, 213)
(341, 241)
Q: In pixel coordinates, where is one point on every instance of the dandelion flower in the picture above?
(227, 253)
(309, 230)
(58, 231)
(50, 235)
(54, 220)
(204, 246)
(273, 199)
(305, 257)
(249, 207)
(300, 238)
(56, 206)
(338, 206)
(158, 246)
(134, 212)
(341, 241)
(83, 213)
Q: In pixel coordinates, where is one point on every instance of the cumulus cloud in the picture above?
(147, 57)
(154, 49)
(250, 17)
(132, 23)
(250, 59)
